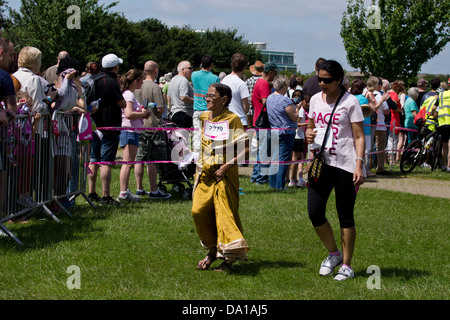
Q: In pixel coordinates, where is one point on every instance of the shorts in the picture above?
(299, 145)
(153, 146)
(444, 131)
(127, 137)
(104, 150)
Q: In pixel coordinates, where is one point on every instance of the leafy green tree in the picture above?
(45, 24)
(394, 38)
(169, 46)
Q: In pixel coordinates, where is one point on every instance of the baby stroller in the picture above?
(179, 174)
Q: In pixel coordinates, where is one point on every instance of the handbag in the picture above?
(314, 167)
(263, 119)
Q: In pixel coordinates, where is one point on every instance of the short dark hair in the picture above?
(224, 91)
(435, 83)
(293, 83)
(334, 68)
(4, 43)
(357, 87)
(68, 63)
(207, 61)
(239, 62)
(319, 62)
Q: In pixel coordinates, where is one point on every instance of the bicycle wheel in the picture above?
(437, 153)
(411, 157)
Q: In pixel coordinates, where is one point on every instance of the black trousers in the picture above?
(319, 192)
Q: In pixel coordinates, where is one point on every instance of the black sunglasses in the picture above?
(325, 80)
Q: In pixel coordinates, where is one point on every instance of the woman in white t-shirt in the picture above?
(132, 117)
(343, 168)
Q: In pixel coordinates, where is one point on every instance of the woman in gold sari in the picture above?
(216, 194)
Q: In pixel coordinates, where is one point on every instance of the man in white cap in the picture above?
(109, 114)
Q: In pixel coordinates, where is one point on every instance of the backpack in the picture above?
(424, 113)
(419, 119)
(88, 88)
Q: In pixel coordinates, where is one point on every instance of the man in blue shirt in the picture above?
(201, 80)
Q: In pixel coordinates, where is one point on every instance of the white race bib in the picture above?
(216, 130)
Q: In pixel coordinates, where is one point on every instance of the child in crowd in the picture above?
(299, 150)
(132, 117)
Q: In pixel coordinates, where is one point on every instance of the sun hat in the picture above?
(257, 68)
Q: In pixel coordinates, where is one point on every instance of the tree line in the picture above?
(46, 24)
(390, 39)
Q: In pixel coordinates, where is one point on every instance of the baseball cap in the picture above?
(422, 82)
(269, 66)
(110, 61)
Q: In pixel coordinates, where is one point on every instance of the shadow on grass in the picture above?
(42, 231)
(253, 267)
(403, 274)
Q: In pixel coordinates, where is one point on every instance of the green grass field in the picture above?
(149, 251)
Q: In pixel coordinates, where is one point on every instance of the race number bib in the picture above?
(216, 130)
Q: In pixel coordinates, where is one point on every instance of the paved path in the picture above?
(426, 187)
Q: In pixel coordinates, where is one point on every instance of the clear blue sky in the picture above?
(309, 28)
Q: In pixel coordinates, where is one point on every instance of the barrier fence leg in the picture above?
(88, 200)
(50, 213)
(59, 204)
(9, 234)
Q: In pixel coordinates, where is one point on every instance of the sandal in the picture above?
(207, 261)
(224, 266)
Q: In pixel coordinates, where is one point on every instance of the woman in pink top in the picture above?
(343, 168)
(132, 117)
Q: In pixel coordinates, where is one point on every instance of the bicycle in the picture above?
(425, 150)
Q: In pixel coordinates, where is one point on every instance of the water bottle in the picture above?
(94, 104)
(429, 142)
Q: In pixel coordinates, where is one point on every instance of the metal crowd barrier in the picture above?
(41, 171)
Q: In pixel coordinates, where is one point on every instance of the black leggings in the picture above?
(319, 192)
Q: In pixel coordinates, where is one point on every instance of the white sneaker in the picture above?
(344, 273)
(329, 263)
(301, 184)
(291, 184)
(128, 197)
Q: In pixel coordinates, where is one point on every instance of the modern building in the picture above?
(283, 59)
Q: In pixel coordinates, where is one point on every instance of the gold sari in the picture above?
(216, 203)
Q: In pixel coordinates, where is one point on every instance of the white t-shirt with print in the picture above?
(342, 153)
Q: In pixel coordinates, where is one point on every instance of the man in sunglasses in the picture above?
(181, 96)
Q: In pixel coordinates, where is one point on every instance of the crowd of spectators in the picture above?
(137, 99)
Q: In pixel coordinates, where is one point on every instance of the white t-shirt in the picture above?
(240, 91)
(302, 115)
(381, 126)
(342, 153)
